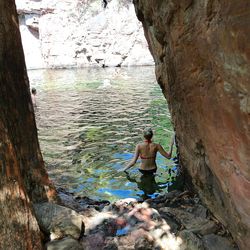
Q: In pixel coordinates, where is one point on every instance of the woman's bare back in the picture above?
(147, 153)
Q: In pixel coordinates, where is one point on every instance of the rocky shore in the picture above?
(176, 220)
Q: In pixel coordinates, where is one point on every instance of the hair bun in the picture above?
(148, 132)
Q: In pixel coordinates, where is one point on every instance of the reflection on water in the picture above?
(148, 185)
(89, 122)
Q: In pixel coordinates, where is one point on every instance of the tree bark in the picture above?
(23, 177)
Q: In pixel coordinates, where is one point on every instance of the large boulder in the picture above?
(58, 221)
(202, 55)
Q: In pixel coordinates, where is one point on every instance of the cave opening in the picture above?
(90, 119)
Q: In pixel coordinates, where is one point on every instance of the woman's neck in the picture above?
(148, 141)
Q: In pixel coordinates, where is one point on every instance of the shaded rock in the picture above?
(215, 242)
(190, 221)
(86, 202)
(208, 227)
(78, 203)
(198, 210)
(108, 227)
(126, 242)
(172, 223)
(191, 241)
(143, 243)
(59, 221)
(68, 200)
(164, 197)
(93, 241)
(89, 212)
(64, 244)
(111, 244)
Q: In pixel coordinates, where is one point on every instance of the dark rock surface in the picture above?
(216, 242)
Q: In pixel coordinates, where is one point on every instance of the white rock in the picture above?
(65, 33)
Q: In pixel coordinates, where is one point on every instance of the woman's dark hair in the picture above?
(148, 133)
(33, 90)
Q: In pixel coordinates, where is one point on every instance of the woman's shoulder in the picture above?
(155, 143)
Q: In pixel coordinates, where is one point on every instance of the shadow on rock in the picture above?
(176, 220)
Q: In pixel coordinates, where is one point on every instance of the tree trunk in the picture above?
(23, 177)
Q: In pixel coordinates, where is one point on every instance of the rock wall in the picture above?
(81, 33)
(202, 55)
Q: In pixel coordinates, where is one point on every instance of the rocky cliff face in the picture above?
(81, 33)
(202, 55)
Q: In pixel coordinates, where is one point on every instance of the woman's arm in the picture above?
(133, 161)
(163, 152)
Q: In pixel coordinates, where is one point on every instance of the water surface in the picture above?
(90, 120)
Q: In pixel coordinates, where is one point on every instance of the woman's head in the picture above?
(33, 91)
(148, 133)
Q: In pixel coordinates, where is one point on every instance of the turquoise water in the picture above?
(90, 120)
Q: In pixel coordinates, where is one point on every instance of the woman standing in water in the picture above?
(147, 151)
(33, 96)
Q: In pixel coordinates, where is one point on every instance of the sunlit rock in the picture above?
(81, 34)
(33, 23)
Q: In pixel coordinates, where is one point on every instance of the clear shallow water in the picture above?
(88, 128)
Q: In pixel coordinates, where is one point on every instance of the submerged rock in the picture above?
(79, 203)
(216, 242)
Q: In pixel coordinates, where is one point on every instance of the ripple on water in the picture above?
(87, 132)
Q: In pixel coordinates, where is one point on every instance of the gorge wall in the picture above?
(81, 33)
(202, 55)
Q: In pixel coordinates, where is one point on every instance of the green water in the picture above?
(88, 129)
